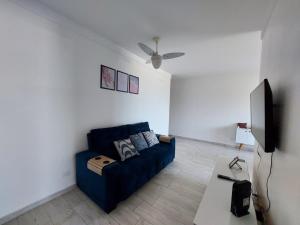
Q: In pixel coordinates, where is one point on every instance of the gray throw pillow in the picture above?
(150, 138)
(139, 141)
(125, 149)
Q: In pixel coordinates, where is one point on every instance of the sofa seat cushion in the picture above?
(137, 170)
(158, 151)
(161, 154)
(137, 164)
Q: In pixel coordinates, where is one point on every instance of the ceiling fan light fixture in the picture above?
(156, 61)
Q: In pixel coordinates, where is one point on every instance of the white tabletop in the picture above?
(215, 205)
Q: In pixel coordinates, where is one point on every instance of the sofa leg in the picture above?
(110, 209)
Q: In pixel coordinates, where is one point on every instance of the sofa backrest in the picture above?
(138, 127)
(101, 140)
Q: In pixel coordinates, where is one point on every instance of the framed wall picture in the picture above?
(107, 78)
(122, 81)
(133, 84)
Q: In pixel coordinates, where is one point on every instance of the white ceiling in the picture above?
(218, 36)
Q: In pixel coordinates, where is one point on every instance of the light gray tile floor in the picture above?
(170, 198)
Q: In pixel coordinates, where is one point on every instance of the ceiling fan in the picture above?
(156, 59)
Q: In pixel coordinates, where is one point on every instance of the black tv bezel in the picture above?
(269, 117)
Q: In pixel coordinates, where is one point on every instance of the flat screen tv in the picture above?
(262, 125)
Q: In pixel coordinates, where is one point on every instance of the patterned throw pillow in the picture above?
(150, 138)
(125, 149)
(139, 141)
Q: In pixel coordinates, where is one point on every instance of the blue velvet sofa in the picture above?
(119, 179)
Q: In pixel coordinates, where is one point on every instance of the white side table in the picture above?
(244, 137)
(215, 205)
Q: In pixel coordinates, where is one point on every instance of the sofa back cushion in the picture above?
(138, 128)
(101, 140)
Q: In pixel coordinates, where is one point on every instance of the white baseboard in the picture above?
(27, 208)
(246, 148)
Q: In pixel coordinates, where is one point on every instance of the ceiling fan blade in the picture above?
(148, 61)
(172, 55)
(146, 49)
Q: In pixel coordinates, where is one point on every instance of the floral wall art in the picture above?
(112, 79)
(122, 81)
(133, 84)
(108, 77)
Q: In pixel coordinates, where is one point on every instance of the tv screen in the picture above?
(262, 116)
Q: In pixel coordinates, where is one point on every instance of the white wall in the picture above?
(50, 98)
(280, 64)
(208, 107)
(101, 108)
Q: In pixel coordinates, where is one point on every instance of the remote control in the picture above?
(226, 178)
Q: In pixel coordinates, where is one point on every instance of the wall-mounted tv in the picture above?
(262, 125)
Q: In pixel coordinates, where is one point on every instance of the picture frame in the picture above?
(107, 78)
(133, 84)
(122, 81)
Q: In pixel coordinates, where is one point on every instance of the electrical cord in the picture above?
(259, 158)
(267, 184)
(252, 192)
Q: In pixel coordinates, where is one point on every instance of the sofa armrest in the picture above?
(172, 143)
(158, 136)
(101, 189)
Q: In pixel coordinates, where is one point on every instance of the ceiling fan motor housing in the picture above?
(156, 61)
